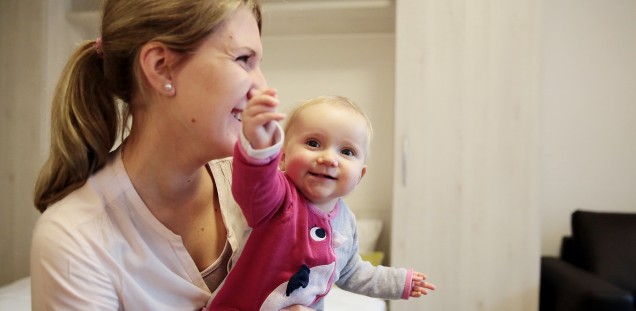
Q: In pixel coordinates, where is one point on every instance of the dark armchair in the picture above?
(596, 269)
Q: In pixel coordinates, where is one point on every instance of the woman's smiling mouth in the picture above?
(237, 114)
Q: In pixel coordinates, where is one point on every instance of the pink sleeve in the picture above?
(408, 284)
(258, 188)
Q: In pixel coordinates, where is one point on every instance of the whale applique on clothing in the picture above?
(299, 279)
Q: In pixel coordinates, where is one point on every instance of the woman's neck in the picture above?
(171, 189)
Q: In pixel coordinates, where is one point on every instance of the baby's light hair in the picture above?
(338, 102)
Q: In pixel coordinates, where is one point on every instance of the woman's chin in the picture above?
(234, 125)
(222, 152)
(228, 146)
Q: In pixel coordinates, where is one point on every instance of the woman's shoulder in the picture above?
(83, 207)
(68, 228)
(78, 207)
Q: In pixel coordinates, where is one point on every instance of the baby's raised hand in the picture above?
(259, 118)
(420, 286)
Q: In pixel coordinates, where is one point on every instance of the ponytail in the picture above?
(85, 120)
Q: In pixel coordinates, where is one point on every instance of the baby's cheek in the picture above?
(294, 167)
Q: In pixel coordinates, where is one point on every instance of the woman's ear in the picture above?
(155, 60)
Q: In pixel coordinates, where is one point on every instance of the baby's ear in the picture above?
(364, 171)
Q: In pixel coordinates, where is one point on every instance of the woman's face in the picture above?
(213, 85)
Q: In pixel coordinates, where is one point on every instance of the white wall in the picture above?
(589, 108)
(361, 67)
(22, 80)
(35, 41)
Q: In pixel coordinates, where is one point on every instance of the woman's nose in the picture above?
(259, 79)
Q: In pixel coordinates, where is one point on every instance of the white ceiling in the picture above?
(289, 17)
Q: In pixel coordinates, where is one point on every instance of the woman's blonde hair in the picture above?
(90, 103)
(336, 101)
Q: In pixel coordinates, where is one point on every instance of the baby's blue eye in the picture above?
(348, 152)
(313, 143)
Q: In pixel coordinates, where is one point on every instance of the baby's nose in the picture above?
(327, 158)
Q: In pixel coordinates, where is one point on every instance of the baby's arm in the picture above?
(420, 286)
(384, 282)
(257, 186)
(259, 119)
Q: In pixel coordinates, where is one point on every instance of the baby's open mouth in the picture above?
(322, 175)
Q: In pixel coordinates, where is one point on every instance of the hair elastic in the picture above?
(98, 46)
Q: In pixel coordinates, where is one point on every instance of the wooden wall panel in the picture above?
(467, 99)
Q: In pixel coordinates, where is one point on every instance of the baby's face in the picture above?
(325, 152)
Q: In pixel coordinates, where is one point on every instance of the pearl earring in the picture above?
(168, 87)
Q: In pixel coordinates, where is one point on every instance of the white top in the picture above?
(100, 248)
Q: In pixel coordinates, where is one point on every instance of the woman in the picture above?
(150, 225)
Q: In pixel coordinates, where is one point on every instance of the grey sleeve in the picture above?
(361, 277)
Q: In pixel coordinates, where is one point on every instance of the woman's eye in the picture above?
(313, 143)
(348, 152)
(243, 59)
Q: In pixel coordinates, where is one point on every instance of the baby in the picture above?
(303, 237)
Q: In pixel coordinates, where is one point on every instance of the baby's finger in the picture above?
(270, 116)
(430, 286)
(262, 102)
(257, 109)
(418, 292)
(257, 92)
(419, 276)
(261, 106)
(427, 285)
(422, 284)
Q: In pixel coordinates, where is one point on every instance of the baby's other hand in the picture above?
(420, 286)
